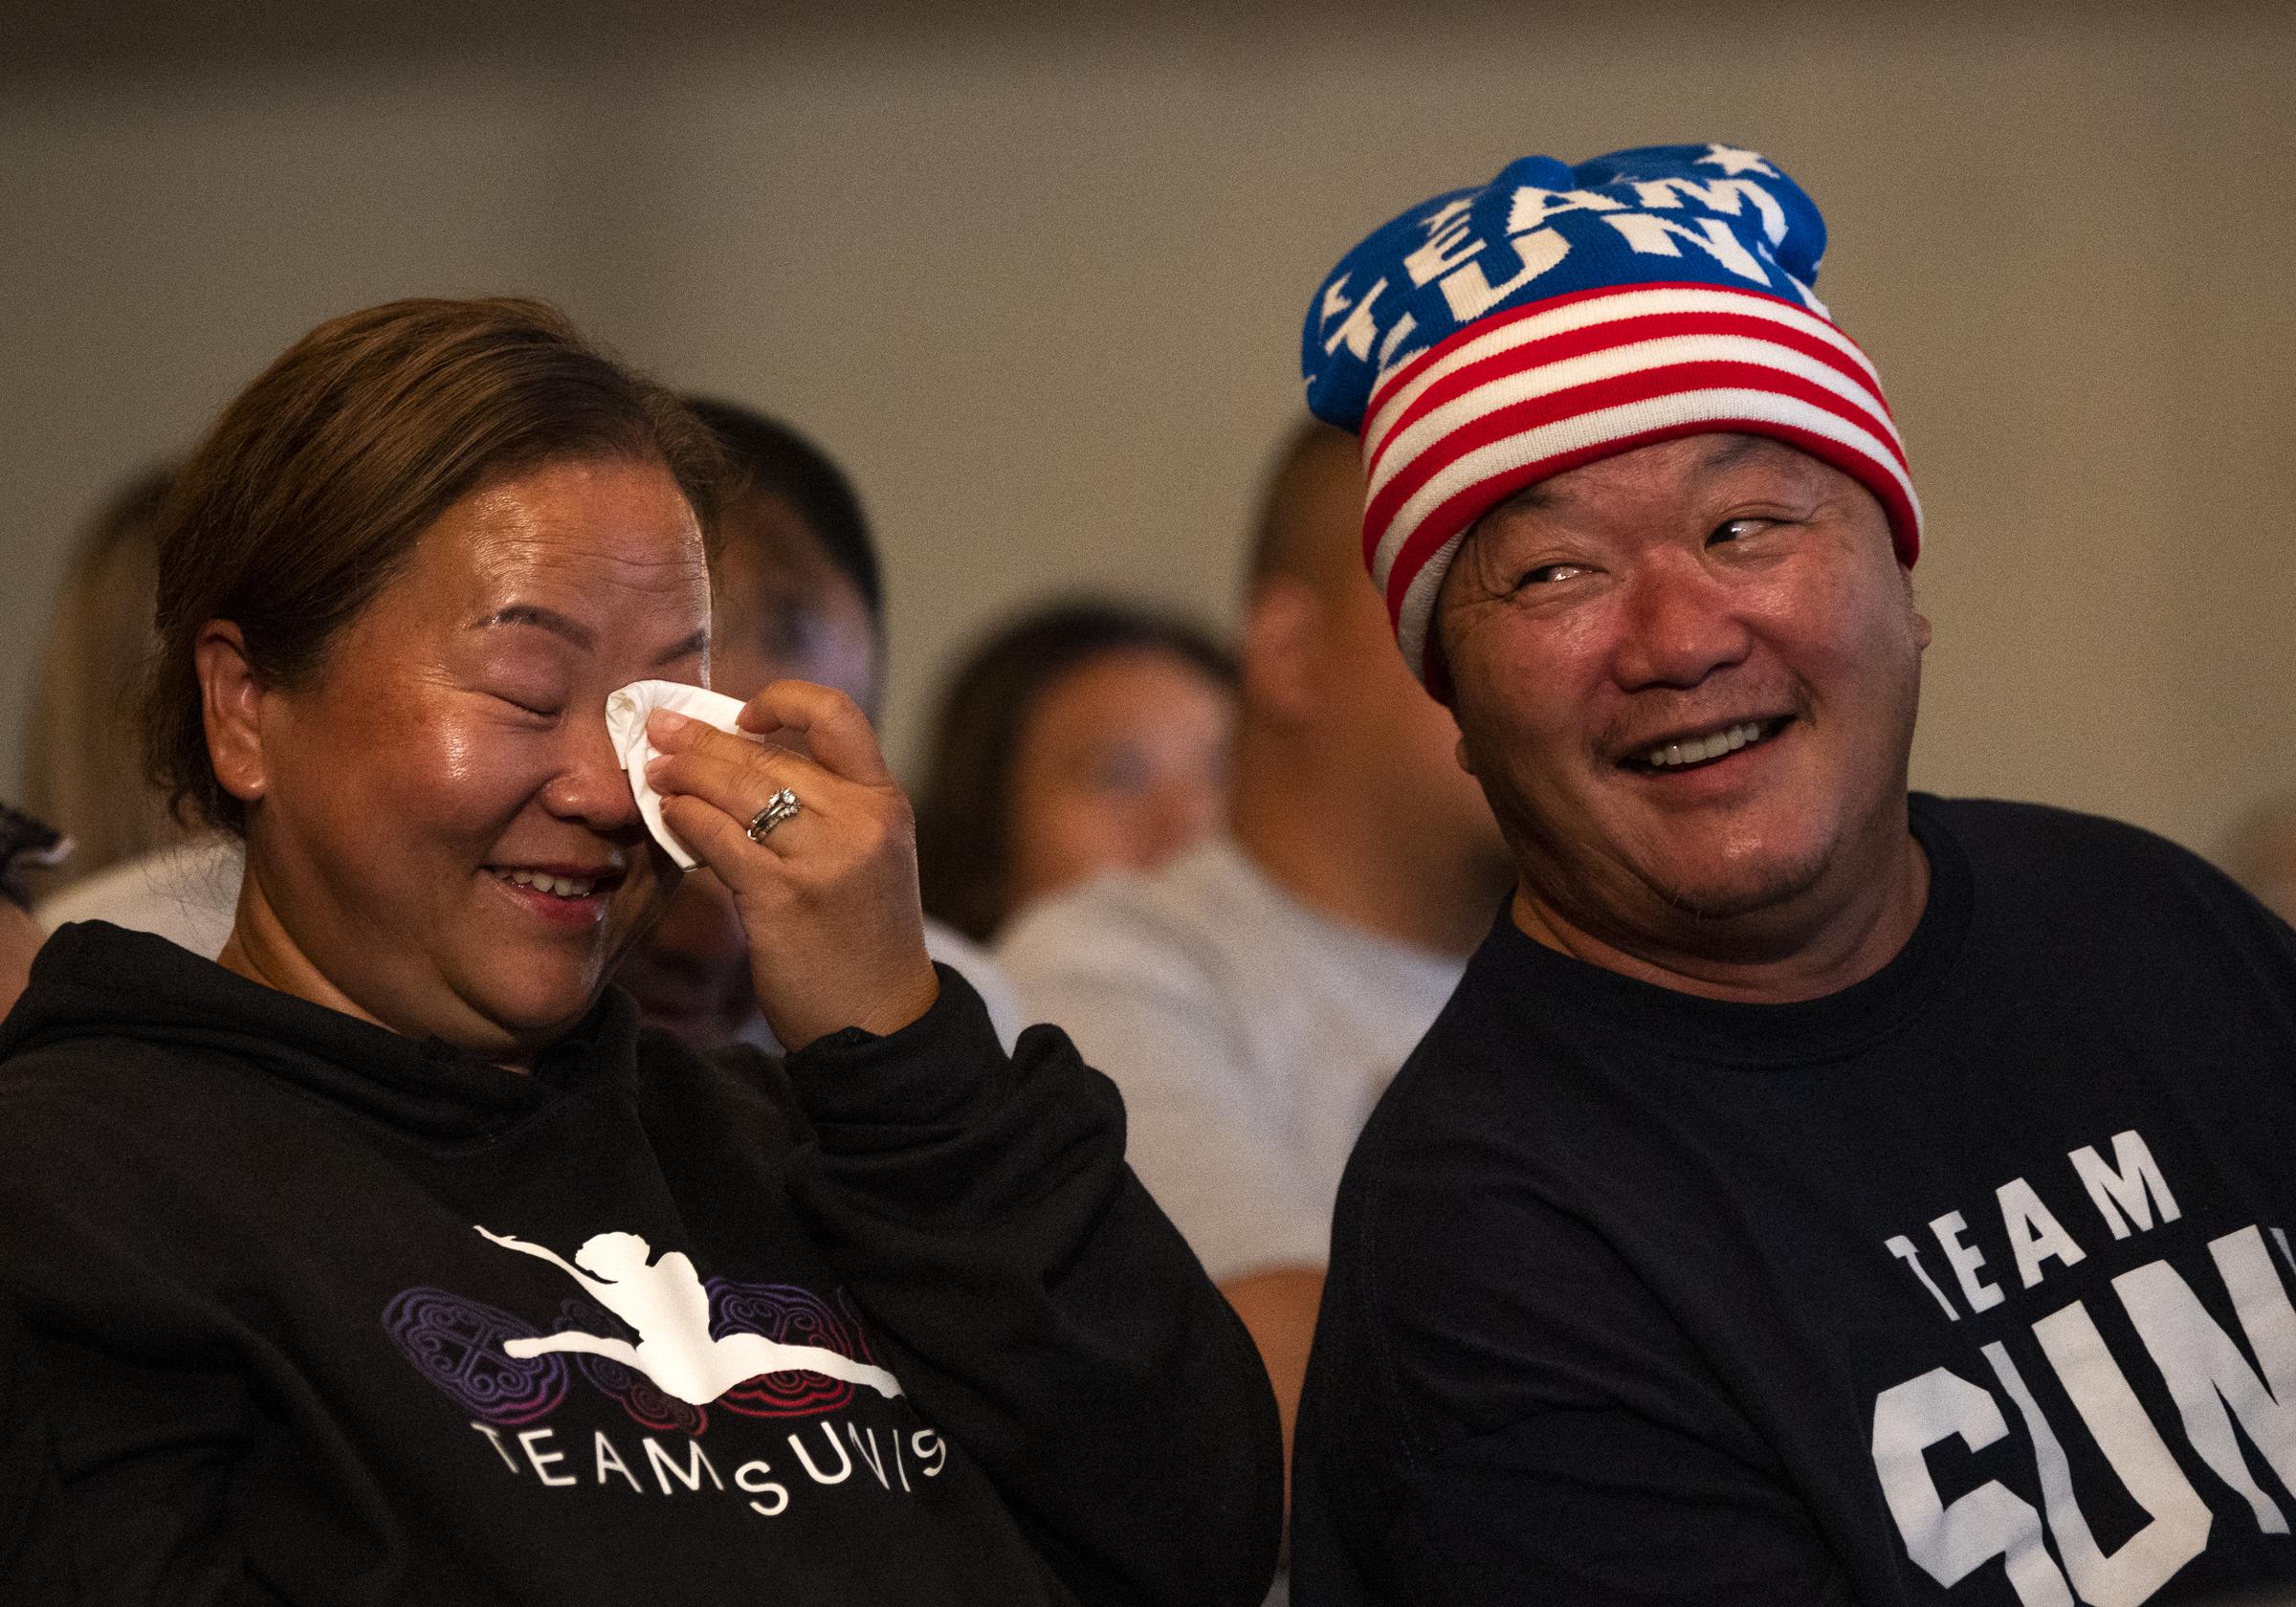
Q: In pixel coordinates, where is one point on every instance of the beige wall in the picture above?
(1041, 291)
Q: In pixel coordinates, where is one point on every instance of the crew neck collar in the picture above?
(1539, 982)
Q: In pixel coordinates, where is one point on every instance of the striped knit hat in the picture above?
(1491, 337)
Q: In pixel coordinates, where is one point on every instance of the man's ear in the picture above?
(231, 704)
(1281, 623)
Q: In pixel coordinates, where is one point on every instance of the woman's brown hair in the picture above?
(313, 485)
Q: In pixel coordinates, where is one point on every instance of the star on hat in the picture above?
(1733, 162)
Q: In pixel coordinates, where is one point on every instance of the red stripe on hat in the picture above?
(1520, 418)
(1388, 384)
(1635, 329)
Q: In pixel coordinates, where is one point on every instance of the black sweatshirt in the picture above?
(1967, 1284)
(314, 1312)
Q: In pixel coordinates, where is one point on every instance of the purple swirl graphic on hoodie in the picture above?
(788, 1315)
(457, 1345)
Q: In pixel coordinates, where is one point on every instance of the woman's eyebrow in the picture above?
(545, 619)
(580, 635)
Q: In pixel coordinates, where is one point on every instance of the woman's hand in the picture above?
(829, 896)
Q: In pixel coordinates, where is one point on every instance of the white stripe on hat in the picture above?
(1585, 313)
(1413, 439)
(1503, 457)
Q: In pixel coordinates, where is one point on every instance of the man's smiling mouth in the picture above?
(1682, 751)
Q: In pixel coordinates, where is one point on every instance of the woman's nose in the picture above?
(592, 786)
(1679, 624)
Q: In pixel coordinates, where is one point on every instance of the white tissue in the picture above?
(626, 710)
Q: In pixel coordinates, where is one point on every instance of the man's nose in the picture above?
(1679, 624)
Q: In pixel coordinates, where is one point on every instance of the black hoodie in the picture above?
(312, 1312)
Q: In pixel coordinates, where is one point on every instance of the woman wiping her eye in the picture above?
(387, 1259)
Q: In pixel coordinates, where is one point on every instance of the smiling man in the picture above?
(1812, 1192)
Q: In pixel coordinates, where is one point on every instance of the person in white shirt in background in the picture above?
(186, 894)
(83, 759)
(798, 597)
(1252, 998)
(83, 756)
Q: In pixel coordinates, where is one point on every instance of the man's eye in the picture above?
(1546, 574)
(1729, 530)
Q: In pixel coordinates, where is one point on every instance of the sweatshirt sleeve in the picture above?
(1053, 1322)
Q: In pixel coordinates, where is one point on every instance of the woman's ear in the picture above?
(231, 704)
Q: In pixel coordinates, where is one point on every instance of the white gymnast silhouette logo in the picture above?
(665, 1302)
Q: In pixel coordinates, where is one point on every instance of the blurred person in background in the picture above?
(131, 862)
(1252, 995)
(82, 765)
(390, 1259)
(2260, 854)
(1080, 737)
(26, 846)
(797, 595)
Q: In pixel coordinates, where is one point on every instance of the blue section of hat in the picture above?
(1658, 214)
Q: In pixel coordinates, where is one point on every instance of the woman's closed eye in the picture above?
(531, 704)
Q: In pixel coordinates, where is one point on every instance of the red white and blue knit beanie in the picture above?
(1491, 337)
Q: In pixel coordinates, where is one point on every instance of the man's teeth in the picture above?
(562, 887)
(1698, 749)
